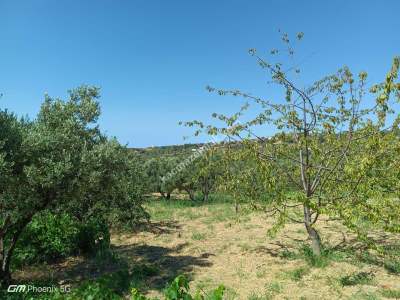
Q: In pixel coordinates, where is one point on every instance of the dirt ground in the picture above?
(213, 246)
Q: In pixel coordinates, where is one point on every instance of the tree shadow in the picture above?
(164, 259)
(143, 266)
(349, 248)
(159, 227)
(276, 249)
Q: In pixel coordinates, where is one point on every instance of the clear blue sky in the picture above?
(153, 59)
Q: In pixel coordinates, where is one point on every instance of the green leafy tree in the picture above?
(156, 169)
(329, 151)
(206, 171)
(60, 162)
(196, 172)
(185, 181)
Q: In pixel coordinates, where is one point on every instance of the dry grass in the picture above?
(212, 245)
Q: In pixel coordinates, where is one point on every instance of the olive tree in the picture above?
(194, 172)
(205, 172)
(155, 169)
(330, 139)
(60, 161)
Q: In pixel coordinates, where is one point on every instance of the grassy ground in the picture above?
(212, 245)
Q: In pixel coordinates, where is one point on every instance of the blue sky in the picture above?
(153, 59)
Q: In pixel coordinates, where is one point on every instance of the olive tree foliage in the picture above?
(185, 181)
(336, 141)
(61, 162)
(193, 175)
(206, 171)
(155, 169)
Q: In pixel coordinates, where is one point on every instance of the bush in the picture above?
(393, 266)
(297, 274)
(357, 278)
(50, 237)
(178, 289)
(391, 294)
(47, 238)
(94, 237)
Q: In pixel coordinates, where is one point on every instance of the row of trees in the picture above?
(198, 177)
(60, 162)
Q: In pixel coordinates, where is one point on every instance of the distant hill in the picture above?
(180, 150)
(171, 150)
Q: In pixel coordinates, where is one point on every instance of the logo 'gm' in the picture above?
(13, 288)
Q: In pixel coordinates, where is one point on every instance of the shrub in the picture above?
(393, 266)
(297, 274)
(94, 236)
(198, 236)
(392, 294)
(47, 238)
(178, 289)
(50, 237)
(357, 278)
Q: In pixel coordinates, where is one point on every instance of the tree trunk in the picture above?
(205, 190)
(315, 240)
(5, 276)
(205, 198)
(161, 193)
(191, 194)
(168, 196)
(312, 232)
(5, 259)
(6, 254)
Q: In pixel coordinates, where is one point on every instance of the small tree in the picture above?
(206, 171)
(196, 172)
(185, 181)
(327, 150)
(155, 169)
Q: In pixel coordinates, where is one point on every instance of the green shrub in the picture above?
(297, 274)
(92, 290)
(357, 278)
(392, 294)
(178, 289)
(47, 238)
(198, 236)
(94, 236)
(393, 266)
(289, 255)
(50, 237)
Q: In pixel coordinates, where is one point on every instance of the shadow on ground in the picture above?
(167, 261)
(146, 267)
(161, 227)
